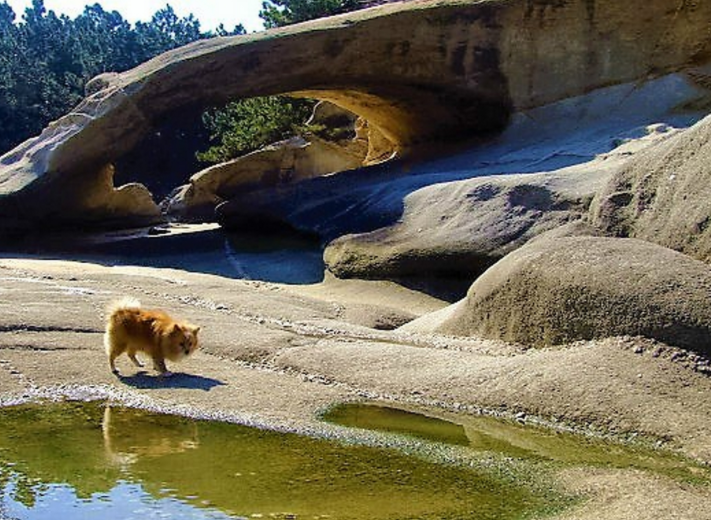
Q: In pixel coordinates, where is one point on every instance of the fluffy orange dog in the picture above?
(131, 329)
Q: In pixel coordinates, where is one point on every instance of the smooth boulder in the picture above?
(664, 195)
(558, 290)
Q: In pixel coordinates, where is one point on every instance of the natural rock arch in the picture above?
(418, 71)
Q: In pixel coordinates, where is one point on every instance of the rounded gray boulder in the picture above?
(559, 290)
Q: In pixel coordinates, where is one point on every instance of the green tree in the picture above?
(277, 13)
(44, 81)
(46, 60)
(165, 31)
(246, 125)
(9, 51)
(103, 41)
(238, 29)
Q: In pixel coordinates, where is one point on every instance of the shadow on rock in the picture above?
(177, 380)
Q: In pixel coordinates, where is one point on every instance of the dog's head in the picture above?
(183, 340)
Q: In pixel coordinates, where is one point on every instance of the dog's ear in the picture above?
(196, 330)
(175, 329)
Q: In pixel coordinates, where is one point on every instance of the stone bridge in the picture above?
(420, 72)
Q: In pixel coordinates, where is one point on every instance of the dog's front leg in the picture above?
(159, 365)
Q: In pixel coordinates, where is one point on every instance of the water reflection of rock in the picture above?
(511, 439)
(127, 440)
(93, 452)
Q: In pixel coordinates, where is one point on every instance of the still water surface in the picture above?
(72, 461)
(96, 461)
(511, 439)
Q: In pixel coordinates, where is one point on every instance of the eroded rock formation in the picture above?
(271, 168)
(417, 71)
(559, 290)
(664, 195)
(457, 215)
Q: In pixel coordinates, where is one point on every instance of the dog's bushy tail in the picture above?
(111, 312)
(124, 303)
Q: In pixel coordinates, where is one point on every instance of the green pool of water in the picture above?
(91, 461)
(511, 439)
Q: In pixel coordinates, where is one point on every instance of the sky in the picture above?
(210, 12)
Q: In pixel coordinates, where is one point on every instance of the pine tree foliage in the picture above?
(277, 13)
(46, 59)
(246, 125)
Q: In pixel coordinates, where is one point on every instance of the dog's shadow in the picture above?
(144, 380)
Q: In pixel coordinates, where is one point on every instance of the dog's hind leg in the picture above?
(113, 350)
(132, 357)
(112, 361)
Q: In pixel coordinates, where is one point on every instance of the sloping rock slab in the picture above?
(559, 290)
(597, 132)
(664, 195)
(461, 228)
(274, 166)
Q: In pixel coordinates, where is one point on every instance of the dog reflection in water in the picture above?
(128, 437)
